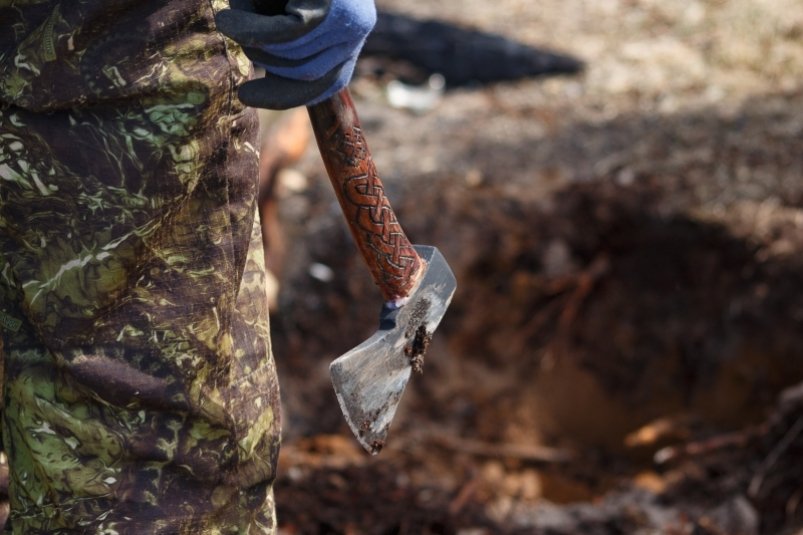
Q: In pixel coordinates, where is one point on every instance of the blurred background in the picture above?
(618, 186)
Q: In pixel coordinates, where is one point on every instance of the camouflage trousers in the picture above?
(139, 390)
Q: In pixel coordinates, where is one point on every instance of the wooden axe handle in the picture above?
(394, 264)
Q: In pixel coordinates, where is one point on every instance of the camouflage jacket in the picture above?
(140, 394)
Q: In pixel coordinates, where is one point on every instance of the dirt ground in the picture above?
(624, 353)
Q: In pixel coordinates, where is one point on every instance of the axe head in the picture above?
(369, 380)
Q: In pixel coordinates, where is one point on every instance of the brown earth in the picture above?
(624, 353)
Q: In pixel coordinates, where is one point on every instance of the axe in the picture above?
(415, 280)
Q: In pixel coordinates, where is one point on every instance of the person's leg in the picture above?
(285, 136)
(140, 393)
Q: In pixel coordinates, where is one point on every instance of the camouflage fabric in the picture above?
(140, 394)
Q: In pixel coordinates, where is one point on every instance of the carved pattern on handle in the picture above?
(390, 256)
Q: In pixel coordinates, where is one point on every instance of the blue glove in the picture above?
(308, 52)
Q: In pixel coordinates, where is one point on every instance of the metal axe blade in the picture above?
(369, 380)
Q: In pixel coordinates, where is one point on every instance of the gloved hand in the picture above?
(309, 52)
